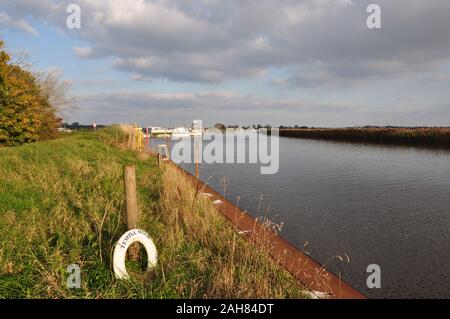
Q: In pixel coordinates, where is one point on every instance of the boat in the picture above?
(180, 132)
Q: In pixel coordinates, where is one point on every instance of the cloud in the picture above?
(171, 109)
(96, 81)
(84, 52)
(200, 102)
(442, 78)
(20, 24)
(322, 42)
(345, 2)
(140, 78)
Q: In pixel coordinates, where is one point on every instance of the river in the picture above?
(384, 205)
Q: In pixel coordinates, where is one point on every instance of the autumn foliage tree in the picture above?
(26, 110)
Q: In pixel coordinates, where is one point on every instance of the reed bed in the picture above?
(431, 137)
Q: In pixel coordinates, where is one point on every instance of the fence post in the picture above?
(130, 137)
(129, 173)
(197, 155)
(168, 138)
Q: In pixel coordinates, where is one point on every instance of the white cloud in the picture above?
(212, 41)
(309, 44)
(345, 2)
(20, 24)
(83, 52)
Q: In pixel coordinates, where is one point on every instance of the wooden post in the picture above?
(197, 155)
(159, 158)
(129, 173)
(133, 137)
(130, 137)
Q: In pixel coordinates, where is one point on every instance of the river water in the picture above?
(384, 205)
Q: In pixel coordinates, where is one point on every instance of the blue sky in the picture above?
(280, 62)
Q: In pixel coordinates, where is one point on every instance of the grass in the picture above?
(435, 137)
(62, 203)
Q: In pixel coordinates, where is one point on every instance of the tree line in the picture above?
(222, 126)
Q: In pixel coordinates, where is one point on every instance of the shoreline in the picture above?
(305, 269)
(436, 138)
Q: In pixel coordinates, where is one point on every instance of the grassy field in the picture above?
(436, 137)
(62, 203)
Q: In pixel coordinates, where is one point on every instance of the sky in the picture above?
(278, 62)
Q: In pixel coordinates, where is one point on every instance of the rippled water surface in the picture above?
(378, 204)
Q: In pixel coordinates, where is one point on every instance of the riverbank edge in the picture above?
(310, 273)
(76, 214)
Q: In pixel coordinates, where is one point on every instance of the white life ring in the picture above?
(120, 250)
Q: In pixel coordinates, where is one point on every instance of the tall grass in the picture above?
(436, 137)
(234, 268)
(62, 202)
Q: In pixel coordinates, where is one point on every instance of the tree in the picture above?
(55, 90)
(26, 110)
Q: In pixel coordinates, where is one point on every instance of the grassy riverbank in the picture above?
(435, 137)
(62, 203)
